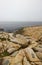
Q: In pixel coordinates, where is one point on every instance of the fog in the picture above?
(12, 26)
(20, 10)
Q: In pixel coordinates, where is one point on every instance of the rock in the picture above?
(25, 62)
(1, 60)
(3, 36)
(32, 63)
(31, 54)
(5, 62)
(33, 44)
(19, 57)
(1, 47)
(38, 63)
(20, 40)
(21, 48)
(13, 45)
(10, 50)
(39, 55)
(33, 32)
(15, 53)
(11, 36)
(38, 48)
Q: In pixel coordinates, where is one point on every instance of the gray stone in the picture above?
(5, 62)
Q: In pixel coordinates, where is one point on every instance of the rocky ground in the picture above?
(23, 47)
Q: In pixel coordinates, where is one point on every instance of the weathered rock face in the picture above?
(23, 48)
(34, 32)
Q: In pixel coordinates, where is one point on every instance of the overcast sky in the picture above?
(20, 10)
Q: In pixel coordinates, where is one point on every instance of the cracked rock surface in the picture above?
(23, 47)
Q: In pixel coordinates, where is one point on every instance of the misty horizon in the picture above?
(11, 26)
